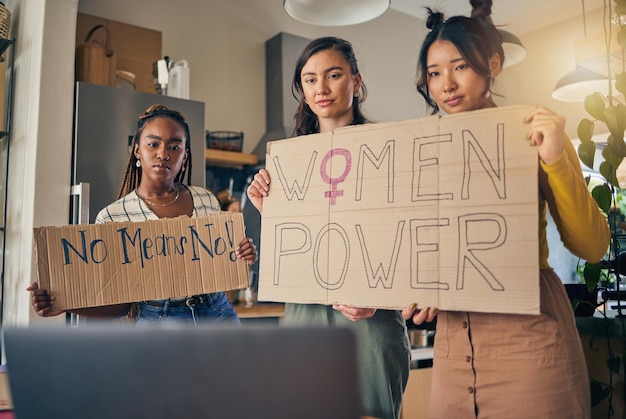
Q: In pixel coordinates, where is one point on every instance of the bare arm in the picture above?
(43, 304)
(355, 313)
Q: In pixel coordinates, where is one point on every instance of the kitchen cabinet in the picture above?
(135, 48)
(234, 159)
(416, 399)
(260, 310)
(228, 170)
(257, 314)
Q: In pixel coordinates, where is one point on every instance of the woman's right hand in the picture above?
(42, 301)
(259, 188)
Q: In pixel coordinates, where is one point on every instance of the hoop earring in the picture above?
(138, 163)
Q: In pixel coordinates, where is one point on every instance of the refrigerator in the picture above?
(105, 120)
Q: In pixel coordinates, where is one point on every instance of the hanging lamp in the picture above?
(514, 50)
(577, 84)
(335, 12)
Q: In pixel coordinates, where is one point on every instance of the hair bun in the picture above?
(481, 8)
(155, 107)
(434, 18)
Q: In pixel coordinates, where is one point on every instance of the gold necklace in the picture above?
(165, 195)
(167, 204)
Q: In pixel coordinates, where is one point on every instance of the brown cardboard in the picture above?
(6, 402)
(440, 211)
(100, 264)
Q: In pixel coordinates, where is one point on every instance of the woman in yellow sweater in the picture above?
(504, 365)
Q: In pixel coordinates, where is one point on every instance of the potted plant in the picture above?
(608, 334)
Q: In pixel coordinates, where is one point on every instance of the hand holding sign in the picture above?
(42, 301)
(547, 133)
(259, 189)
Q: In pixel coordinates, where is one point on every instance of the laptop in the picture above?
(206, 372)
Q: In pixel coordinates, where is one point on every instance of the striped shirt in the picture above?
(131, 208)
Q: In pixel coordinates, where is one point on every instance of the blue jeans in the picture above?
(215, 309)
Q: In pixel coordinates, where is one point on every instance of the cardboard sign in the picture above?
(439, 211)
(90, 265)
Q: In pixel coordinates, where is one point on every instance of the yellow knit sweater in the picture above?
(583, 227)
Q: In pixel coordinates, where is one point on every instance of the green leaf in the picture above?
(612, 121)
(587, 153)
(619, 4)
(620, 9)
(609, 172)
(585, 130)
(594, 105)
(608, 168)
(609, 154)
(621, 37)
(613, 363)
(592, 341)
(591, 274)
(602, 195)
(614, 117)
(599, 392)
(620, 79)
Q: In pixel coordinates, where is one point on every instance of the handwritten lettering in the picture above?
(387, 153)
(295, 188)
(135, 246)
(291, 239)
(82, 254)
(294, 240)
(497, 176)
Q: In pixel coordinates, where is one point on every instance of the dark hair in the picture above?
(476, 38)
(132, 176)
(306, 120)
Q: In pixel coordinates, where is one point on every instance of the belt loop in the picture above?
(166, 307)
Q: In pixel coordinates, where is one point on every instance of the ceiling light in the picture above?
(577, 84)
(514, 50)
(335, 12)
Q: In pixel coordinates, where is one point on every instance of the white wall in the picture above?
(41, 138)
(550, 56)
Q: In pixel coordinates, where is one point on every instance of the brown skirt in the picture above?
(511, 366)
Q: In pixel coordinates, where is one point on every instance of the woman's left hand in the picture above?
(246, 250)
(547, 133)
(419, 315)
(354, 313)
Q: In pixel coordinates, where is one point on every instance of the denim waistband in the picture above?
(194, 300)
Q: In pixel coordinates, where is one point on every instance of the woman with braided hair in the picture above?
(157, 185)
(489, 365)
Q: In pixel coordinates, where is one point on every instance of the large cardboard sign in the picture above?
(90, 265)
(439, 211)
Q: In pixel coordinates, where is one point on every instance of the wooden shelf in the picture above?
(229, 158)
(260, 310)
